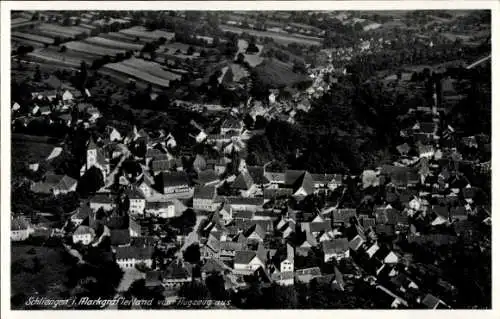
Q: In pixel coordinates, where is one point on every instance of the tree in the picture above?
(66, 21)
(139, 290)
(38, 74)
(185, 222)
(83, 75)
(281, 297)
(23, 49)
(91, 181)
(248, 121)
(299, 67)
(63, 49)
(194, 290)
(216, 287)
(240, 58)
(216, 41)
(190, 51)
(253, 297)
(260, 122)
(192, 254)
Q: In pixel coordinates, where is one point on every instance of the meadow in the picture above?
(277, 37)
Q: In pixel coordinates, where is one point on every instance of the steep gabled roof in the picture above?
(154, 152)
(305, 182)
(231, 123)
(130, 252)
(356, 242)
(153, 278)
(83, 212)
(212, 265)
(207, 176)
(257, 174)
(257, 229)
(292, 177)
(275, 176)
(320, 227)
(102, 198)
(327, 178)
(161, 165)
(176, 270)
(428, 127)
(134, 193)
(204, 192)
(338, 245)
(277, 192)
(243, 182)
(343, 215)
(243, 214)
(119, 237)
(244, 256)
(157, 205)
(430, 301)
(213, 243)
(236, 200)
(170, 179)
(231, 245)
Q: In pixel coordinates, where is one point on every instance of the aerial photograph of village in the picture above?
(250, 160)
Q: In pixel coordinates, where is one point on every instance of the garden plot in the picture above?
(116, 44)
(33, 37)
(141, 32)
(92, 49)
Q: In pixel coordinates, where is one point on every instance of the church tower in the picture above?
(91, 154)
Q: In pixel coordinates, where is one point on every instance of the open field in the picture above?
(92, 49)
(277, 73)
(151, 67)
(115, 44)
(277, 37)
(117, 36)
(121, 79)
(141, 32)
(87, 26)
(17, 21)
(21, 41)
(80, 29)
(68, 58)
(33, 37)
(53, 34)
(42, 57)
(21, 22)
(59, 29)
(153, 75)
